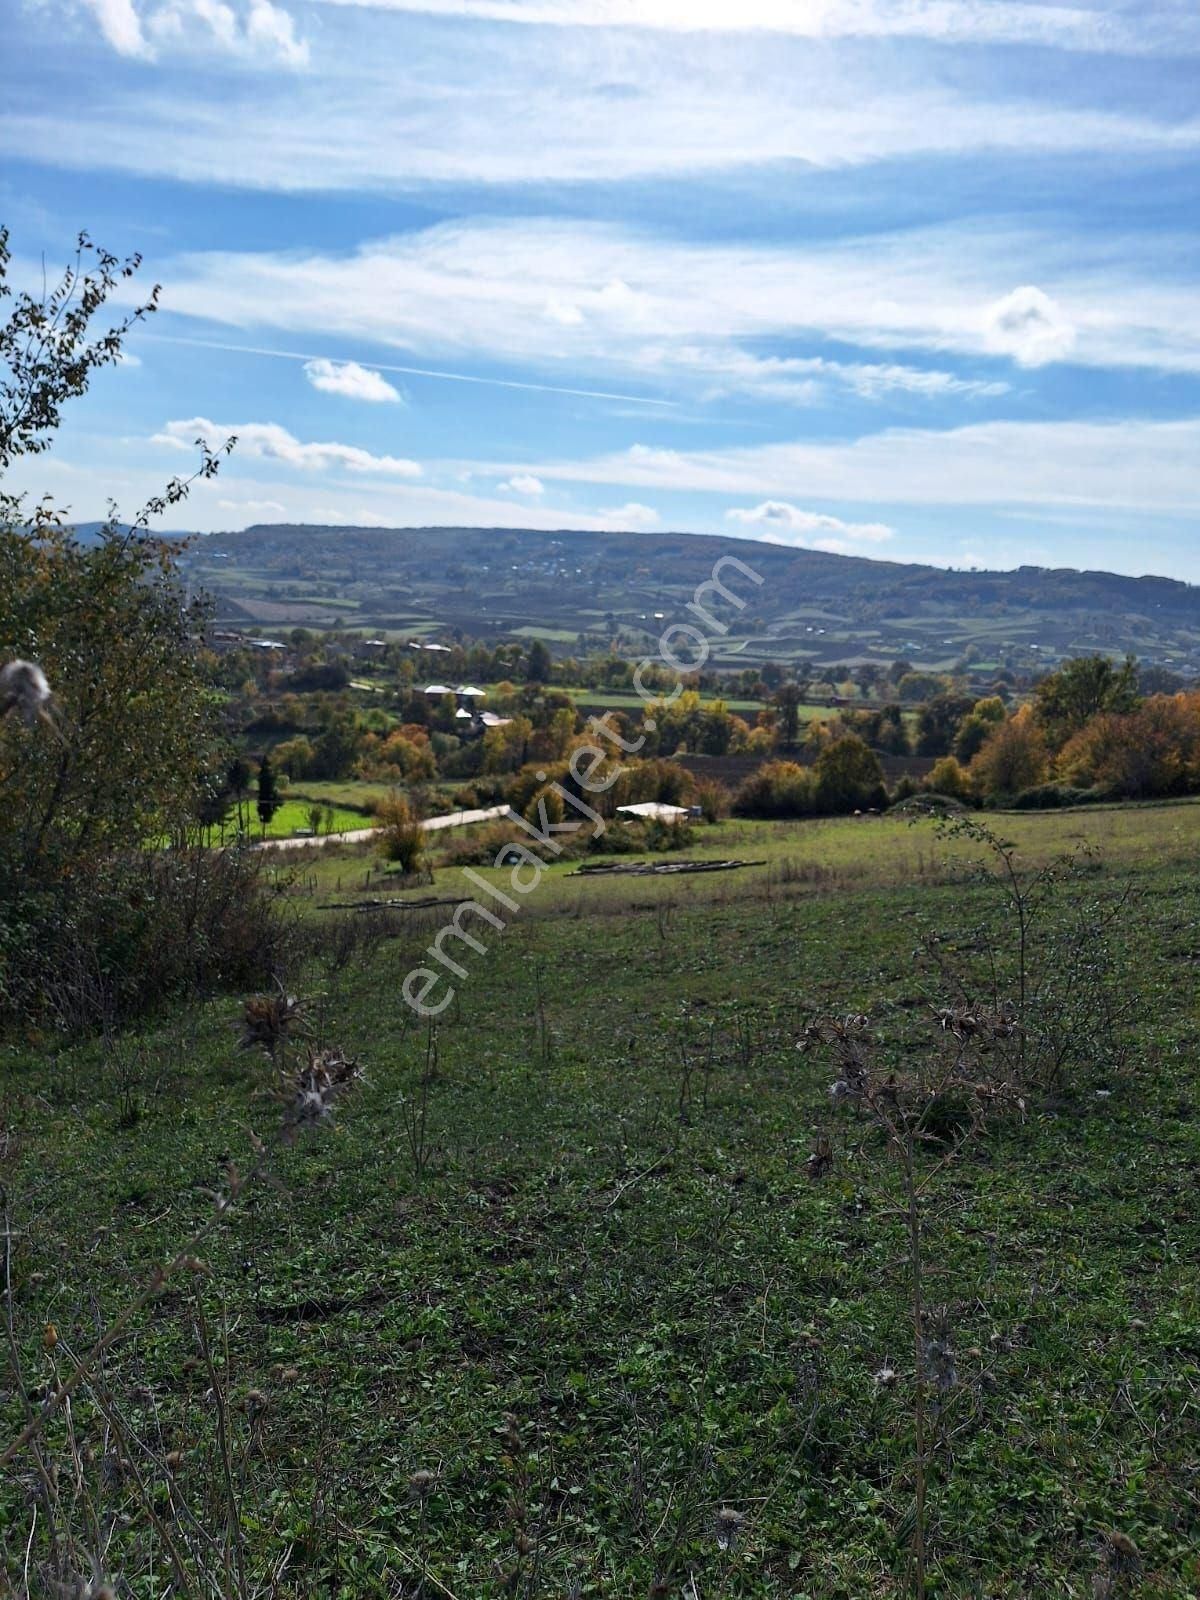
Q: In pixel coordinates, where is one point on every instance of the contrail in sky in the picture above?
(416, 372)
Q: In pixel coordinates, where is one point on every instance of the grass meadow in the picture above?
(554, 1306)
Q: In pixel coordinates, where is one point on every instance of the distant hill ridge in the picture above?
(832, 571)
(569, 582)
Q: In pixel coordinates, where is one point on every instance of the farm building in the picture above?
(656, 809)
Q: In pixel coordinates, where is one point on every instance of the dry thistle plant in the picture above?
(1048, 956)
(414, 1107)
(728, 1525)
(319, 1082)
(270, 1020)
(924, 1110)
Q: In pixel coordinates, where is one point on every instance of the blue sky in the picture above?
(904, 278)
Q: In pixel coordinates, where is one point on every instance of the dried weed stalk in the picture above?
(927, 1108)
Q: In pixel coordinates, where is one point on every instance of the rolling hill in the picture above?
(580, 590)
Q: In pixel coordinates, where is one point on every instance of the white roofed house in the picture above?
(465, 694)
(656, 809)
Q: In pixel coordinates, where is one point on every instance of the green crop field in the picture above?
(553, 1306)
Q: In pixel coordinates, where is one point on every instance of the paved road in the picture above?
(452, 819)
(460, 819)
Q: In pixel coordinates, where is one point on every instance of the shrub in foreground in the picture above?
(141, 928)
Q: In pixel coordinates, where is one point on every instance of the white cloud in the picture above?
(600, 108)
(1131, 464)
(348, 516)
(805, 380)
(120, 25)
(1077, 27)
(272, 30)
(524, 483)
(629, 516)
(780, 522)
(1030, 327)
(252, 508)
(256, 30)
(565, 314)
(271, 442)
(349, 379)
(694, 317)
(1160, 497)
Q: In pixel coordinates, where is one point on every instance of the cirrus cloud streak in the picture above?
(1132, 464)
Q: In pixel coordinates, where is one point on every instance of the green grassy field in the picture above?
(578, 1273)
(826, 855)
(292, 815)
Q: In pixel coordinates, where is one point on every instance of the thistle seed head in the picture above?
(729, 1525)
(25, 691)
(939, 1364)
(320, 1082)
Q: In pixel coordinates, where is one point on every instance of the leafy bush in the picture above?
(848, 777)
(1138, 755)
(777, 789)
(479, 847)
(926, 803)
(140, 928)
(712, 798)
(659, 780)
(401, 837)
(546, 802)
(1050, 796)
(948, 777)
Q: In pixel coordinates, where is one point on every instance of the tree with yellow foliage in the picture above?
(1013, 757)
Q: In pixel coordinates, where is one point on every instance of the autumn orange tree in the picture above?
(1013, 757)
(1144, 754)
